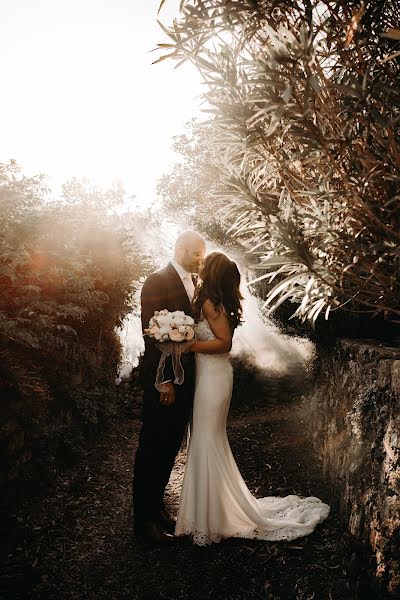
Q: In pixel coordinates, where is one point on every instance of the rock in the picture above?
(355, 427)
(384, 373)
(396, 378)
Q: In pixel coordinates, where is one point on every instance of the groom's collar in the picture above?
(179, 269)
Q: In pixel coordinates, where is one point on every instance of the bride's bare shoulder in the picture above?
(210, 311)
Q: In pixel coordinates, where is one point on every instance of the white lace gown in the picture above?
(215, 502)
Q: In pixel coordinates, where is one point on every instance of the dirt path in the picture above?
(76, 542)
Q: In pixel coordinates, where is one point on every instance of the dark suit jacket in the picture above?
(162, 289)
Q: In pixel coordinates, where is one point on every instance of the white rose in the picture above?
(179, 321)
(157, 336)
(177, 313)
(165, 320)
(189, 320)
(165, 330)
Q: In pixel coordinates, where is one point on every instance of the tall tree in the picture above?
(306, 108)
(190, 190)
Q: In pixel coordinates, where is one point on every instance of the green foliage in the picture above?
(305, 105)
(69, 268)
(190, 191)
(63, 263)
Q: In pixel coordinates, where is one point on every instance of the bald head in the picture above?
(188, 239)
(190, 249)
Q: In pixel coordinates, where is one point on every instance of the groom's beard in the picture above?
(197, 267)
(192, 259)
(193, 267)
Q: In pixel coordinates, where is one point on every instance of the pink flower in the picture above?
(189, 334)
(176, 336)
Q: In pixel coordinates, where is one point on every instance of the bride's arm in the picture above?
(220, 326)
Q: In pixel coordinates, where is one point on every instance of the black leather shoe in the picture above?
(150, 533)
(166, 522)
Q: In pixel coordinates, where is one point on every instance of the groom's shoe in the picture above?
(166, 522)
(151, 533)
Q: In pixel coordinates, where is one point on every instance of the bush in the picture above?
(68, 272)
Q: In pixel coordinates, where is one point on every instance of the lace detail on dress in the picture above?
(299, 518)
(204, 334)
(198, 537)
(203, 331)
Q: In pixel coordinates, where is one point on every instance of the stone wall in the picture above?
(355, 419)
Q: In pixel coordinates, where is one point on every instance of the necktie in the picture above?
(189, 285)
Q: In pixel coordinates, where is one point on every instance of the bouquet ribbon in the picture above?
(173, 349)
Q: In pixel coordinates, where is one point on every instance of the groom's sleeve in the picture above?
(152, 299)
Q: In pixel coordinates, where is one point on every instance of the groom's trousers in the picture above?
(161, 435)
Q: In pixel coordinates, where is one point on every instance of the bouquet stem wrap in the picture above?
(173, 349)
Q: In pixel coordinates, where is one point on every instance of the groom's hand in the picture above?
(167, 394)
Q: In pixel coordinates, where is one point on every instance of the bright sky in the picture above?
(80, 95)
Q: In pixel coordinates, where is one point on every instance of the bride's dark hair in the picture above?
(220, 283)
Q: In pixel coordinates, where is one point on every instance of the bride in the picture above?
(215, 502)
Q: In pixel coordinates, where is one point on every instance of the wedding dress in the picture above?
(215, 502)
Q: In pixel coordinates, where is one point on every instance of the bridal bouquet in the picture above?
(172, 326)
(173, 331)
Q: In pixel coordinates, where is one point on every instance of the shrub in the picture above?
(68, 272)
(305, 104)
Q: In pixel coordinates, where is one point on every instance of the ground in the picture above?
(75, 541)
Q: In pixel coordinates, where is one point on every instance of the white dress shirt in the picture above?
(187, 282)
(186, 279)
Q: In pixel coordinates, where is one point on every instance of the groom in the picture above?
(166, 413)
